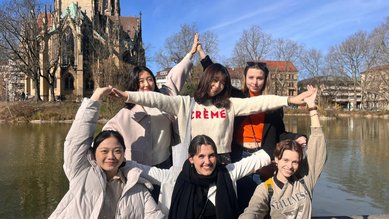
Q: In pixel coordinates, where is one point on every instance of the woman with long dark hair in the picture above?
(252, 131)
(214, 111)
(149, 131)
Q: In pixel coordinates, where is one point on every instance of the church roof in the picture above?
(129, 24)
(71, 11)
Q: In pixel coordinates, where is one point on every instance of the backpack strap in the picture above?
(269, 188)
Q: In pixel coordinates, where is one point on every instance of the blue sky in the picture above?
(317, 24)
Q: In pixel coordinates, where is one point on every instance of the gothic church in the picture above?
(93, 33)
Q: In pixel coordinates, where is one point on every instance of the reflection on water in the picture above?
(32, 180)
(355, 179)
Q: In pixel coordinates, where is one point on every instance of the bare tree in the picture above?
(18, 37)
(379, 45)
(253, 45)
(178, 45)
(312, 63)
(350, 58)
(288, 51)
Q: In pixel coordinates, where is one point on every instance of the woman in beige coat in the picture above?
(98, 185)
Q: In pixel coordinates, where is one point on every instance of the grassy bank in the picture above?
(27, 111)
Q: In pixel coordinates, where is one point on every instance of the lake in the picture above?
(355, 180)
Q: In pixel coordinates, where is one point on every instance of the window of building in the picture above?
(67, 48)
(69, 82)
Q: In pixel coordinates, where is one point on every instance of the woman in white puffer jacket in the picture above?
(98, 186)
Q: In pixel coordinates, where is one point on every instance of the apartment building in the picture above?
(375, 84)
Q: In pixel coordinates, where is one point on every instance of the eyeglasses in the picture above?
(256, 64)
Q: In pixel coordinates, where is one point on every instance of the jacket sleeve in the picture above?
(80, 137)
(151, 208)
(176, 78)
(207, 61)
(155, 175)
(248, 106)
(169, 104)
(248, 165)
(258, 205)
(316, 156)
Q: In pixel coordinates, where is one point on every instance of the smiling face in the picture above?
(146, 81)
(255, 81)
(204, 160)
(217, 85)
(109, 156)
(287, 165)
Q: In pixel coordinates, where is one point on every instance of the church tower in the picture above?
(92, 7)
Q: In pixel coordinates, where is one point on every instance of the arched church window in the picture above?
(67, 48)
(69, 82)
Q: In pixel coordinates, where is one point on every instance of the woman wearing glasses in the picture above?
(252, 131)
(289, 193)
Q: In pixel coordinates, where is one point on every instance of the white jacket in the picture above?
(87, 181)
(136, 124)
(167, 177)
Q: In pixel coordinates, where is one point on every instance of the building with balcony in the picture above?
(336, 91)
(375, 84)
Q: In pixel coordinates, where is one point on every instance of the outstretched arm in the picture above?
(80, 135)
(316, 148)
(205, 59)
(176, 78)
(169, 104)
(310, 101)
(299, 99)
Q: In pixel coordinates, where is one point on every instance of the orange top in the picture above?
(253, 122)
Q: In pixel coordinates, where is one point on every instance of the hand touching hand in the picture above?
(121, 94)
(195, 43)
(101, 92)
(310, 100)
(300, 99)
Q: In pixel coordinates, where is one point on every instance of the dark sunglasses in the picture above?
(256, 64)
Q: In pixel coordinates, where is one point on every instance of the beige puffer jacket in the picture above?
(87, 181)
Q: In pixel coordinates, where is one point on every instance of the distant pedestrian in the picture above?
(23, 96)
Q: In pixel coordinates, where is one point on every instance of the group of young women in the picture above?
(111, 175)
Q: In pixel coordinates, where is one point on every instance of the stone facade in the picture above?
(89, 38)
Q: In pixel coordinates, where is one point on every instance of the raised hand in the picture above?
(101, 92)
(195, 43)
(299, 99)
(120, 94)
(310, 100)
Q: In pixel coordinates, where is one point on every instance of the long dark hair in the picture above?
(260, 66)
(133, 84)
(201, 93)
